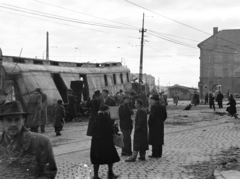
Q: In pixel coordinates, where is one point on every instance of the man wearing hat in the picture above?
(158, 115)
(35, 109)
(126, 125)
(19, 147)
(3, 97)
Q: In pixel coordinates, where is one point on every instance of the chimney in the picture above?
(215, 30)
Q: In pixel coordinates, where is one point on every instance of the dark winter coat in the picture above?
(58, 112)
(125, 113)
(158, 115)
(29, 155)
(108, 101)
(103, 150)
(94, 104)
(232, 108)
(140, 139)
(219, 97)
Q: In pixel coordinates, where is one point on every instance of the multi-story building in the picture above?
(220, 61)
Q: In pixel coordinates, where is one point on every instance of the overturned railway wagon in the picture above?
(21, 76)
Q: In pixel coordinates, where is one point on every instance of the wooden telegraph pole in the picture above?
(141, 56)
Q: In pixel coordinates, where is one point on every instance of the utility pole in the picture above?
(47, 49)
(141, 54)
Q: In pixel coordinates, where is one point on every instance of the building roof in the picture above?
(228, 37)
(184, 87)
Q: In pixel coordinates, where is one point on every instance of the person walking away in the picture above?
(43, 112)
(175, 98)
(3, 97)
(165, 98)
(94, 104)
(126, 125)
(140, 140)
(232, 108)
(206, 98)
(59, 114)
(35, 109)
(102, 149)
(219, 99)
(211, 100)
(19, 147)
(158, 115)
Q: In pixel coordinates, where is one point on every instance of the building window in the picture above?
(121, 77)
(114, 79)
(127, 78)
(105, 80)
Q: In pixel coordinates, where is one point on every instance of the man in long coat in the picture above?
(44, 112)
(126, 125)
(35, 109)
(140, 141)
(175, 98)
(158, 115)
(58, 112)
(219, 99)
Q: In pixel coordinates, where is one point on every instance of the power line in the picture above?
(83, 13)
(174, 41)
(181, 23)
(167, 17)
(24, 10)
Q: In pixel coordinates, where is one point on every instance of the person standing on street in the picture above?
(94, 104)
(44, 112)
(140, 141)
(175, 98)
(126, 125)
(58, 117)
(35, 109)
(219, 99)
(102, 149)
(211, 100)
(19, 147)
(158, 115)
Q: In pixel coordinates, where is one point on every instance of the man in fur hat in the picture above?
(28, 152)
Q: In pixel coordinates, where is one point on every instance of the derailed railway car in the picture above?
(21, 76)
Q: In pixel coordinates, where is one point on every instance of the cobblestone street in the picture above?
(191, 137)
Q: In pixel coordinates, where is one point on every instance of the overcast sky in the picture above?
(175, 62)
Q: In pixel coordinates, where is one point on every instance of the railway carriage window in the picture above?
(114, 79)
(121, 77)
(127, 78)
(105, 80)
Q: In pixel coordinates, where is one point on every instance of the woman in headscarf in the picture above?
(232, 108)
(103, 150)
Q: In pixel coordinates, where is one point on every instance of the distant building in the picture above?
(220, 61)
(185, 93)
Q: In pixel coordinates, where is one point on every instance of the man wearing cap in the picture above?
(35, 109)
(126, 125)
(59, 114)
(158, 115)
(28, 152)
(3, 97)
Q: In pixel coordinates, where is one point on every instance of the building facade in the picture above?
(184, 93)
(220, 62)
